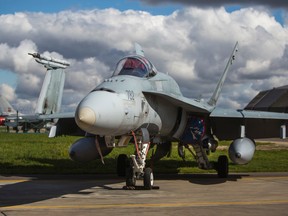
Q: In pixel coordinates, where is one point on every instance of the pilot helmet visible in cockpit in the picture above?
(135, 66)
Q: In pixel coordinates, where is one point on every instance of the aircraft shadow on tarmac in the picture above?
(201, 179)
(43, 187)
(210, 179)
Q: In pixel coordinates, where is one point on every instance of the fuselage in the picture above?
(119, 105)
(123, 103)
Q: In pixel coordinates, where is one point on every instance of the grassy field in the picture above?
(37, 154)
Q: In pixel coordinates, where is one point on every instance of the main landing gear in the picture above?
(200, 156)
(222, 166)
(133, 168)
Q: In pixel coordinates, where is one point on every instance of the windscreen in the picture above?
(134, 66)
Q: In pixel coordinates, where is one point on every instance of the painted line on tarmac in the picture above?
(265, 177)
(11, 181)
(148, 205)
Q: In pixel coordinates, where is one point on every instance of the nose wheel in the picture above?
(130, 178)
(135, 167)
(148, 179)
(147, 176)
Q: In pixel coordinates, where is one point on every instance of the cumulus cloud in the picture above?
(192, 45)
(8, 91)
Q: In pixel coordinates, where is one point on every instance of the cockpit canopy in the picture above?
(135, 66)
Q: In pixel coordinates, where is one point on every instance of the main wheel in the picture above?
(222, 166)
(122, 165)
(148, 179)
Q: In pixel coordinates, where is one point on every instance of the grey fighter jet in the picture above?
(49, 101)
(138, 104)
(6, 109)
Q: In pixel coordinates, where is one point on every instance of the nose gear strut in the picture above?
(136, 167)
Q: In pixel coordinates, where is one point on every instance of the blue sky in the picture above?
(50, 6)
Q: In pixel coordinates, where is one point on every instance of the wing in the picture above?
(187, 104)
(226, 123)
(65, 125)
(57, 115)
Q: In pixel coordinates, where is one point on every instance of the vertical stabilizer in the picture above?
(213, 100)
(5, 107)
(50, 98)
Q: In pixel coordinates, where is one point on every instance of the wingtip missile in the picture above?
(49, 62)
(35, 55)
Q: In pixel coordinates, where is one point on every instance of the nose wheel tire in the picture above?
(148, 179)
(222, 166)
(130, 178)
(122, 162)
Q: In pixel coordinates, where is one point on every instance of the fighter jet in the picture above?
(141, 105)
(6, 109)
(49, 101)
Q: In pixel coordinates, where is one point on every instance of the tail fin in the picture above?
(50, 97)
(213, 100)
(5, 107)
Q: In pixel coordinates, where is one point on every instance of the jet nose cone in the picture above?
(101, 113)
(85, 117)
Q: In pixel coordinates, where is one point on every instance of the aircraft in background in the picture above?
(6, 109)
(49, 101)
(139, 104)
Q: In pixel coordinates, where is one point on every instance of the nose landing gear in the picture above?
(135, 166)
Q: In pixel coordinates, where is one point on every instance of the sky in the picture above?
(191, 40)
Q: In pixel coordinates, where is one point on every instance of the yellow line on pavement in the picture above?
(13, 180)
(148, 205)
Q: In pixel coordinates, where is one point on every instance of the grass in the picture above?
(37, 154)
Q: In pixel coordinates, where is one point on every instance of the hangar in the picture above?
(273, 100)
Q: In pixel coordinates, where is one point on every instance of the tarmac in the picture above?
(198, 194)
